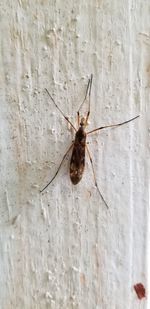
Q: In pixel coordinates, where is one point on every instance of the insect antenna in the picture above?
(67, 119)
(88, 91)
(89, 107)
(95, 181)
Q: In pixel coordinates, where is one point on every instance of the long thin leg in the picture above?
(95, 177)
(113, 125)
(57, 169)
(60, 110)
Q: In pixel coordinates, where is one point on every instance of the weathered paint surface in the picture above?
(63, 248)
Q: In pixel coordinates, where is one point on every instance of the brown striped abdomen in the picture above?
(77, 162)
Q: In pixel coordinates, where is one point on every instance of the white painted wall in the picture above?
(63, 248)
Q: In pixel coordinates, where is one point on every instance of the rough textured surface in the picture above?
(63, 248)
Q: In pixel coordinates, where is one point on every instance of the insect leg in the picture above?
(113, 125)
(57, 169)
(95, 177)
(60, 110)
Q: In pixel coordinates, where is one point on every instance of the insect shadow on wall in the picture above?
(79, 145)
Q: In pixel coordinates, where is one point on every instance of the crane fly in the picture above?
(79, 146)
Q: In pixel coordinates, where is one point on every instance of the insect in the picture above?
(79, 145)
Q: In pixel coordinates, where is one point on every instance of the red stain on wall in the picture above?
(140, 290)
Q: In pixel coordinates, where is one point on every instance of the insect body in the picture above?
(79, 146)
(77, 162)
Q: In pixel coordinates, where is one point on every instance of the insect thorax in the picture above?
(80, 136)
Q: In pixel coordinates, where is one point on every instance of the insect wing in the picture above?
(77, 163)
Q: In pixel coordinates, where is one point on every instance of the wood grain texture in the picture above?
(63, 249)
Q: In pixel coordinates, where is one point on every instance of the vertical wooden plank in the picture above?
(63, 248)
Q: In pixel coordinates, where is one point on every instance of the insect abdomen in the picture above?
(77, 162)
